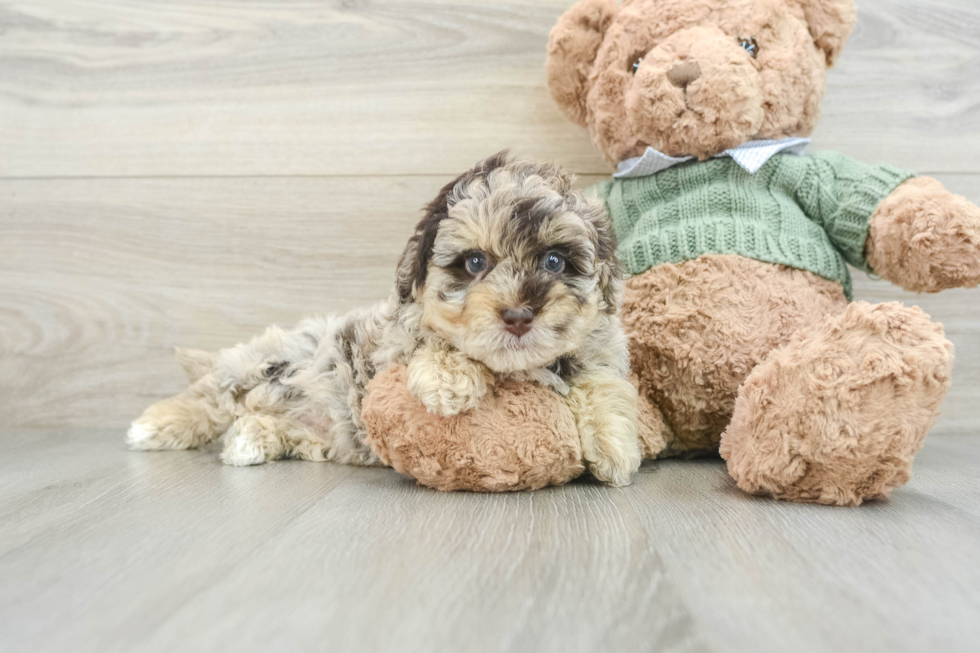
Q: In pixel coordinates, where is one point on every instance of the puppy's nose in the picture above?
(684, 74)
(517, 320)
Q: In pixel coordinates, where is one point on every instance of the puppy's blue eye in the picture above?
(751, 46)
(476, 263)
(554, 262)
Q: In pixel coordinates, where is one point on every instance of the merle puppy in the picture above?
(510, 273)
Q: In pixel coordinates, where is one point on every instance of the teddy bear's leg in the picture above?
(186, 421)
(446, 381)
(605, 410)
(653, 431)
(256, 438)
(836, 415)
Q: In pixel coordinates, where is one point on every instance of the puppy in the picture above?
(510, 273)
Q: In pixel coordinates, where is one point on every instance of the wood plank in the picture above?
(100, 279)
(219, 87)
(107, 550)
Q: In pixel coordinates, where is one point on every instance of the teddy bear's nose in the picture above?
(684, 73)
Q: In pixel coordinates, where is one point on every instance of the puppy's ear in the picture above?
(830, 23)
(413, 266)
(572, 49)
(609, 269)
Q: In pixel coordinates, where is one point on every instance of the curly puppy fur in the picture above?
(674, 75)
(522, 437)
(545, 251)
(879, 371)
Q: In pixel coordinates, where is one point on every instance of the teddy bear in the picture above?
(744, 335)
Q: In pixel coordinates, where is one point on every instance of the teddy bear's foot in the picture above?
(256, 439)
(653, 431)
(837, 415)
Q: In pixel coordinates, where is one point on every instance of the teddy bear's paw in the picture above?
(837, 415)
(447, 382)
(926, 239)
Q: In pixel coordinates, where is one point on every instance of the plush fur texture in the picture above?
(925, 239)
(545, 253)
(522, 436)
(856, 394)
(817, 401)
(698, 328)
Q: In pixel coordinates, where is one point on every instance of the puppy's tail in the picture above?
(196, 363)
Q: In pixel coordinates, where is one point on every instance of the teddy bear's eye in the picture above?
(636, 60)
(751, 46)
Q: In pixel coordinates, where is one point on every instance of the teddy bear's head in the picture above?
(694, 77)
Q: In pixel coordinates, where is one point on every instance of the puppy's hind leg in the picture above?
(186, 421)
(258, 438)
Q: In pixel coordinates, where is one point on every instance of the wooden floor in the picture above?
(106, 550)
(189, 172)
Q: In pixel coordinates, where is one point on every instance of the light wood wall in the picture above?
(190, 172)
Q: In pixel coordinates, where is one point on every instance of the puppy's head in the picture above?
(511, 266)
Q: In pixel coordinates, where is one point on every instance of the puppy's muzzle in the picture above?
(517, 320)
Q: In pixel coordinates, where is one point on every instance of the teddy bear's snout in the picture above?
(683, 74)
(695, 94)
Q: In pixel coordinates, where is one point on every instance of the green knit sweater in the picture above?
(808, 212)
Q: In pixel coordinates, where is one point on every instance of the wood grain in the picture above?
(187, 173)
(107, 550)
(292, 87)
(100, 279)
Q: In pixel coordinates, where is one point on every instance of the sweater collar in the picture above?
(751, 156)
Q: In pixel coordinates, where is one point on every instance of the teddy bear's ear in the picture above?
(830, 22)
(572, 48)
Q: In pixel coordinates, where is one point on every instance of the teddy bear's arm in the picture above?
(841, 194)
(446, 381)
(605, 408)
(925, 239)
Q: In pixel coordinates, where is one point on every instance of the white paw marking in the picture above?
(241, 452)
(140, 436)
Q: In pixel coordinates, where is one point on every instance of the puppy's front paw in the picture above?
(605, 409)
(447, 382)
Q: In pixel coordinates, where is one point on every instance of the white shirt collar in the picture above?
(751, 156)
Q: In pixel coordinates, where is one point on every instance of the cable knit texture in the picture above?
(809, 212)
